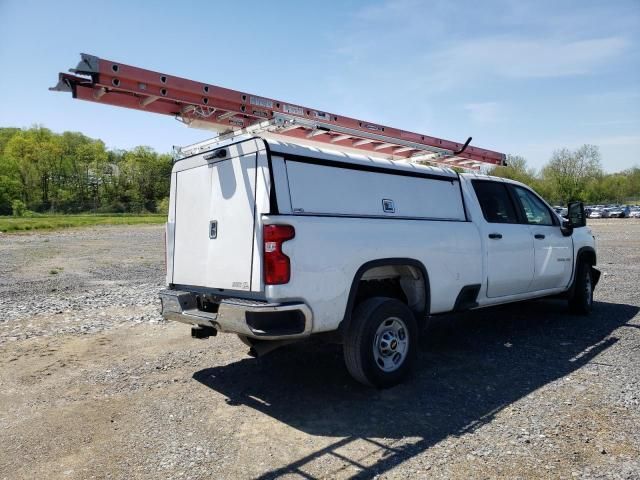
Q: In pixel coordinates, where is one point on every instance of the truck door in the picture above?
(509, 243)
(553, 251)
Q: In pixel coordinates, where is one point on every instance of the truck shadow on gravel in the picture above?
(470, 367)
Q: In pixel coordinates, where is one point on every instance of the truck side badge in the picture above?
(213, 229)
(388, 206)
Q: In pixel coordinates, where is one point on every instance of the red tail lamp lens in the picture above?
(277, 267)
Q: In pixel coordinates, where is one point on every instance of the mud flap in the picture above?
(595, 276)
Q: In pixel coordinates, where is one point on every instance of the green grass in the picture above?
(57, 222)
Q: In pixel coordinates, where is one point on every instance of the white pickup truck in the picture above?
(276, 242)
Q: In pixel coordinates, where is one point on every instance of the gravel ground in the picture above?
(93, 384)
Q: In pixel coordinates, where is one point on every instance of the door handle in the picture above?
(539, 236)
(495, 236)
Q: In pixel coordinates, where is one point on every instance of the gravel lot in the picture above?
(93, 384)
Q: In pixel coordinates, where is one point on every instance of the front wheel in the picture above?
(581, 300)
(381, 342)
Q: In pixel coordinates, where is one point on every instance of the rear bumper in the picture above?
(263, 320)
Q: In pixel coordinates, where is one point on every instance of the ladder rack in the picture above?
(202, 105)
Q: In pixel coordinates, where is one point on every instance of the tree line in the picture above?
(575, 175)
(43, 171)
(47, 172)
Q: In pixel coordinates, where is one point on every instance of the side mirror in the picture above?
(566, 227)
(576, 215)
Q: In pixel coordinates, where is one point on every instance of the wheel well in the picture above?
(584, 254)
(589, 256)
(407, 282)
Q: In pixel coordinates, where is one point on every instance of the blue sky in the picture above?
(520, 77)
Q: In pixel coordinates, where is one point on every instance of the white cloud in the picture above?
(484, 112)
(623, 96)
(513, 57)
(619, 141)
(416, 37)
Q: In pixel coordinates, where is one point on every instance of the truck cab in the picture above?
(529, 247)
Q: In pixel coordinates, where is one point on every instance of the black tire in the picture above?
(581, 300)
(381, 320)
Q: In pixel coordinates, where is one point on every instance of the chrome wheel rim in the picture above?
(588, 289)
(390, 344)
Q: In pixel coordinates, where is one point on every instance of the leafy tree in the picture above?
(9, 191)
(163, 206)
(32, 151)
(5, 136)
(148, 175)
(516, 168)
(18, 208)
(575, 175)
(569, 172)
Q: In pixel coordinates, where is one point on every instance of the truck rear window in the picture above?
(496, 204)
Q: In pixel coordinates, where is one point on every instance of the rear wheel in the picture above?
(381, 342)
(581, 300)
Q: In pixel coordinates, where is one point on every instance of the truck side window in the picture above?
(495, 201)
(534, 209)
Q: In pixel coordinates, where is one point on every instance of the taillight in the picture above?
(277, 267)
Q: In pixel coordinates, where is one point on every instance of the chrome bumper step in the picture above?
(252, 318)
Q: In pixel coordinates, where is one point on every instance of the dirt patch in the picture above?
(93, 384)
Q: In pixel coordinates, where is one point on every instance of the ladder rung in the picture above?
(148, 100)
(226, 115)
(316, 132)
(339, 138)
(400, 150)
(382, 146)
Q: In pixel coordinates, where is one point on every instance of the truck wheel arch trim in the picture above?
(582, 253)
(381, 263)
(467, 298)
(586, 250)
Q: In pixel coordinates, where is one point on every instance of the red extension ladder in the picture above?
(202, 105)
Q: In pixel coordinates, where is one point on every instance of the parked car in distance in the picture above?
(563, 211)
(619, 212)
(634, 213)
(598, 213)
